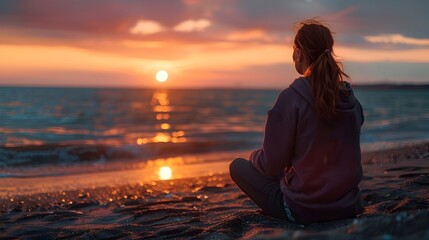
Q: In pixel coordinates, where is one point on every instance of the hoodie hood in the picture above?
(347, 100)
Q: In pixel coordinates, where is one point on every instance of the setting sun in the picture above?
(165, 173)
(162, 76)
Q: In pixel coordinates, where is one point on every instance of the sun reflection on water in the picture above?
(161, 137)
(161, 107)
(161, 116)
(165, 173)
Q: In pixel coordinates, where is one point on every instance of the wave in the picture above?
(56, 154)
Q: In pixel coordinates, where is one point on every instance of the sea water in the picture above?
(75, 125)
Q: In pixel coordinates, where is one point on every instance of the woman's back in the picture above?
(321, 181)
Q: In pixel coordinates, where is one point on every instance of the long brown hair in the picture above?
(325, 73)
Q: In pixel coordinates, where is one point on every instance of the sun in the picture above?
(161, 76)
(165, 173)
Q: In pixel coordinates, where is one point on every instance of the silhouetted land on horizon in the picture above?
(392, 86)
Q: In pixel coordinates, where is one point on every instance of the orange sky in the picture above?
(204, 47)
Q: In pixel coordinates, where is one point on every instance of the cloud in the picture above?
(145, 27)
(60, 77)
(420, 55)
(102, 17)
(193, 25)
(391, 16)
(248, 35)
(277, 16)
(397, 39)
(82, 19)
(49, 57)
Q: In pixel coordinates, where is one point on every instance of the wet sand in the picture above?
(395, 191)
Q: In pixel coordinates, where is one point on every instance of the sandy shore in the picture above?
(395, 192)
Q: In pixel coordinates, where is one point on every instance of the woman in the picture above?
(309, 166)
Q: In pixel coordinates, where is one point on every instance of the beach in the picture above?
(394, 191)
(120, 119)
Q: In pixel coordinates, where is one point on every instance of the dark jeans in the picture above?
(264, 191)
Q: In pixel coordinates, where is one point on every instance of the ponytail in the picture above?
(324, 72)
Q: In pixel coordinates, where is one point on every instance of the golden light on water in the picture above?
(161, 138)
(175, 137)
(165, 173)
(160, 98)
(162, 108)
(178, 140)
(162, 76)
(141, 141)
(161, 116)
(178, 134)
(168, 134)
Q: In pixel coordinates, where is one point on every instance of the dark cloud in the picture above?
(365, 16)
(393, 16)
(80, 19)
(95, 16)
(272, 15)
(351, 20)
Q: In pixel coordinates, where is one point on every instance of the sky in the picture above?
(207, 43)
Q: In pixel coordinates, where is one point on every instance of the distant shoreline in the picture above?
(392, 86)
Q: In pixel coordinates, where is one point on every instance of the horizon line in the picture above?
(359, 85)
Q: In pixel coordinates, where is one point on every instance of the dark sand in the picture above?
(395, 193)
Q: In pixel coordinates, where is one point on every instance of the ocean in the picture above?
(72, 126)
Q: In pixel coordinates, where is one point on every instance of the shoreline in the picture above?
(46, 178)
(394, 190)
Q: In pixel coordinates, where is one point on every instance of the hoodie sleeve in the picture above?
(279, 137)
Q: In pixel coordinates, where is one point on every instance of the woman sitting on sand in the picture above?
(309, 166)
